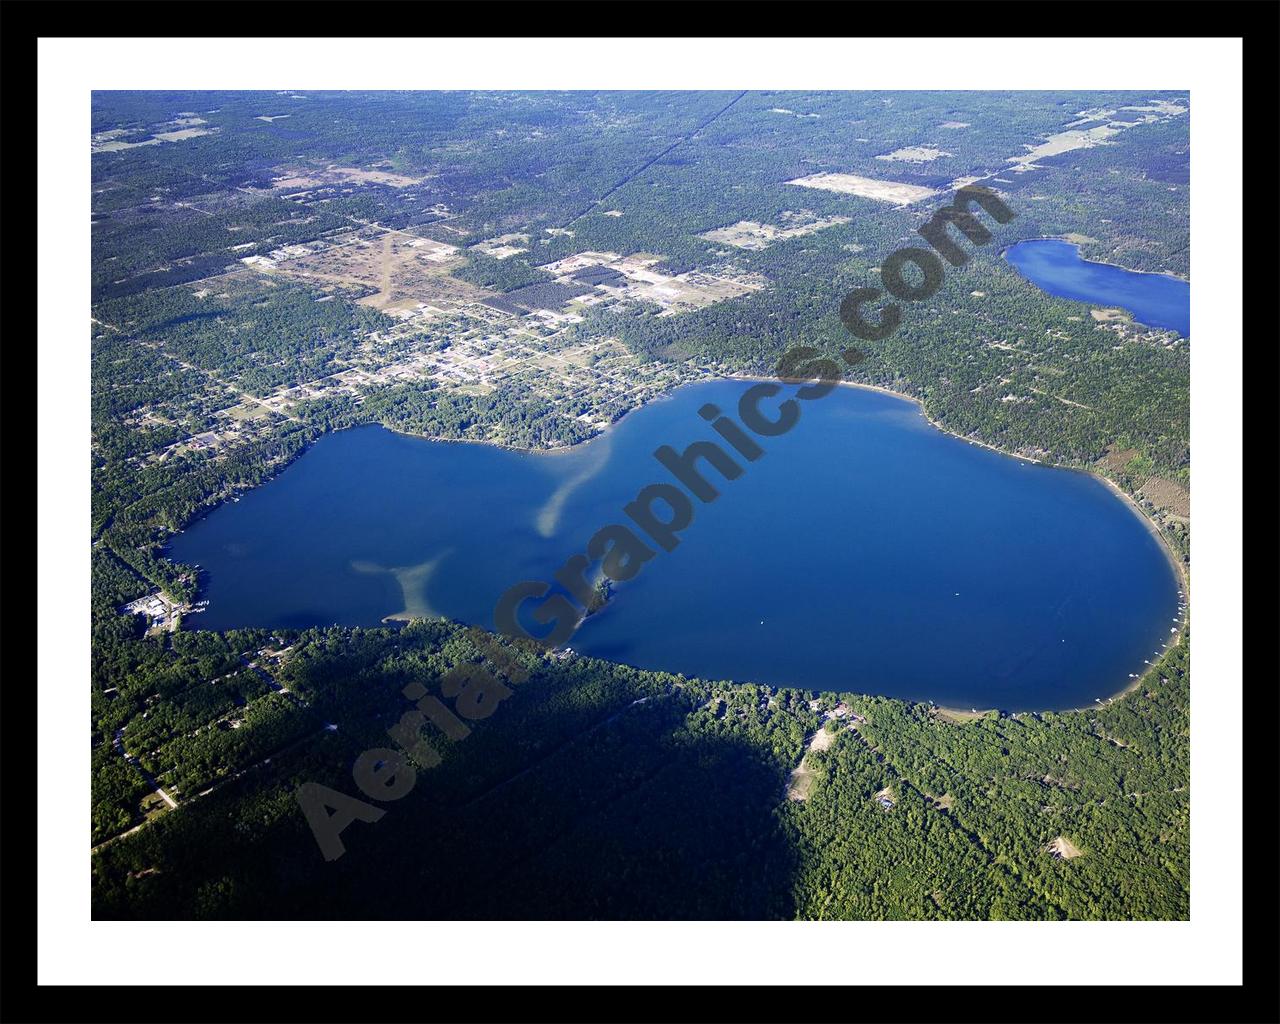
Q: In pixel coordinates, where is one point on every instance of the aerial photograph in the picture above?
(640, 505)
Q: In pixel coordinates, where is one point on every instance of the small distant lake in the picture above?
(865, 551)
(1157, 300)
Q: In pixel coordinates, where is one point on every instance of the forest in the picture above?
(599, 790)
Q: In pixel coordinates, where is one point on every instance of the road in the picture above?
(118, 743)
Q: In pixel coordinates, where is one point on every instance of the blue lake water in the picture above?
(865, 551)
(1156, 300)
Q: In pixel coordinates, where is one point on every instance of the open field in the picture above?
(1062, 142)
(748, 234)
(504, 246)
(1108, 315)
(915, 154)
(635, 280)
(869, 188)
(1167, 494)
(1075, 136)
(181, 134)
(313, 177)
(248, 411)
(403, 270)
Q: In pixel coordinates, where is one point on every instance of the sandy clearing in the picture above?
(1062, 142)
(801, 777)
(183, 133)
(895, 192)
(750, 234)
(1063, 848)
(1064, 401)
(958, 716)
(915, 154)
(503, 246)
(1107, 315)
(310, 177)
(375, 177)
(1160, 107)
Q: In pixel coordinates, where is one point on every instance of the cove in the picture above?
(866, 551)
(1055, 266)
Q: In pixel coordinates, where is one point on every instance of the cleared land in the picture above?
(915, 154)
(802, 777)
(1063, 848)
(957, 716)
(1078, 137)
(1063, 142)
(1167, 494)
(313, 177)
(503, 246)
(403, 269)
(1107, 315)
(637, 281)
(869, 188)
(749, 234)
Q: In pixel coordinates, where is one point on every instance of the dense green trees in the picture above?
(257, 335)
(600, 790)
(501, 275)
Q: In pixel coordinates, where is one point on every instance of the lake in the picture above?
(1157, 300)
(865, 551)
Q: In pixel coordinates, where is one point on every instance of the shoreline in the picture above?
(919, 404)
(1180, 571)
(563, 449)
(1100, 263)
(559, 450)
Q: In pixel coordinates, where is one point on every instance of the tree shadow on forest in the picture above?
(636, 818)
(631, 824)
